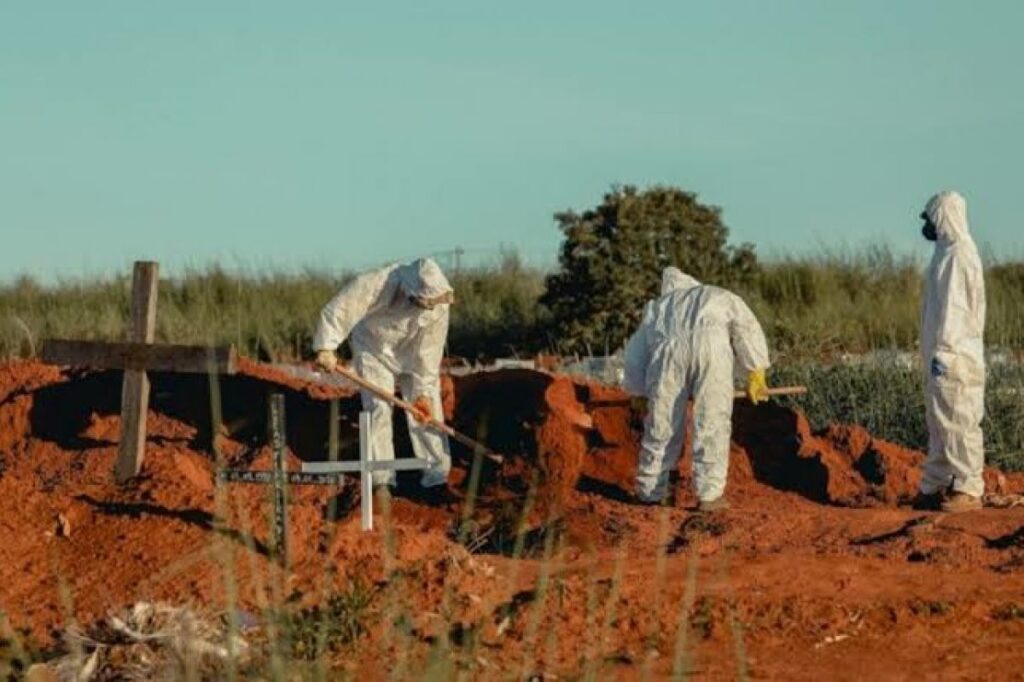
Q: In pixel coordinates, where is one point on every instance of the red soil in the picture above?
(792, 584)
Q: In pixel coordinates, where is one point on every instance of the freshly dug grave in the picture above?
(565, 433)
(791, 563)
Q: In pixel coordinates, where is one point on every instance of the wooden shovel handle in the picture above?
(432, 423)
(780, 391)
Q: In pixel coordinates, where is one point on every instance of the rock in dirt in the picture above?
(62, 527)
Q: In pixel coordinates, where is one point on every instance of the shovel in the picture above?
(738, 395)
(341, 376)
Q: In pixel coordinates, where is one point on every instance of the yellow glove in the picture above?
(326, 360)
(757, 387)
(423, 409)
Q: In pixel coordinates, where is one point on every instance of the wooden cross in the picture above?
(135, 357)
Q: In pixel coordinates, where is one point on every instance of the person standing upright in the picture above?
(953, 351)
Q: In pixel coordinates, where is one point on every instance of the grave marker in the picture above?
(135, 357)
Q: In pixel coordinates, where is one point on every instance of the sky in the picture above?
(340, 135)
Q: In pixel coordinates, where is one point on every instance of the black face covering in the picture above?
(928, 230)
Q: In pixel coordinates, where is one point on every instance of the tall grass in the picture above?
(838, 303)
(811, 308)
(270, 315)
(866, 301)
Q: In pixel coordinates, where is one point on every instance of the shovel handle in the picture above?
(392, 399)
(775, 392)
(780, 391)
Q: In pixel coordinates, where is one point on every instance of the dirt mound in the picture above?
(533, 418)
(66, 526)
(790, 561)
(843, 464)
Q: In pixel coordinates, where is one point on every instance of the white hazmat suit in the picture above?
(952, 348)
(686, 347)
(395, 339)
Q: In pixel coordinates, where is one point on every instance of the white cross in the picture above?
(365, 467)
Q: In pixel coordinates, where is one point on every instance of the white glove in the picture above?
(326, 360)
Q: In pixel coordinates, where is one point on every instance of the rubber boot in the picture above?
(927, 501)
(961, 502)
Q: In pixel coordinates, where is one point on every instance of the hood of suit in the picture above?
(674, 279)
(424, 279)
(948, 212)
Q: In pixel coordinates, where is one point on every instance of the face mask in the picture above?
(421, 303)
(928, 230)
(424, 303)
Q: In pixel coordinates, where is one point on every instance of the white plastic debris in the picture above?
(149, 641)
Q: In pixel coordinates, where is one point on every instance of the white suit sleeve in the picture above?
(958, 318)
(427, 371)
(634, 380)
(747, 336)
(343, 312)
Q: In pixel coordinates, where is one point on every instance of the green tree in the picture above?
(612, 256)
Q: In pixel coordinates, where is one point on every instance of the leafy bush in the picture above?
(611, 260)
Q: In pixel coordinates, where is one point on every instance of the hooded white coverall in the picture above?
(686, 347)
(952, 348)
(392, 338)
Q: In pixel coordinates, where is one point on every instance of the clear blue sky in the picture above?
(343, 134)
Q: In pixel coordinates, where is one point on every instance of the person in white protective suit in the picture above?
(396, 319)
(953, 351)
(686, 347)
